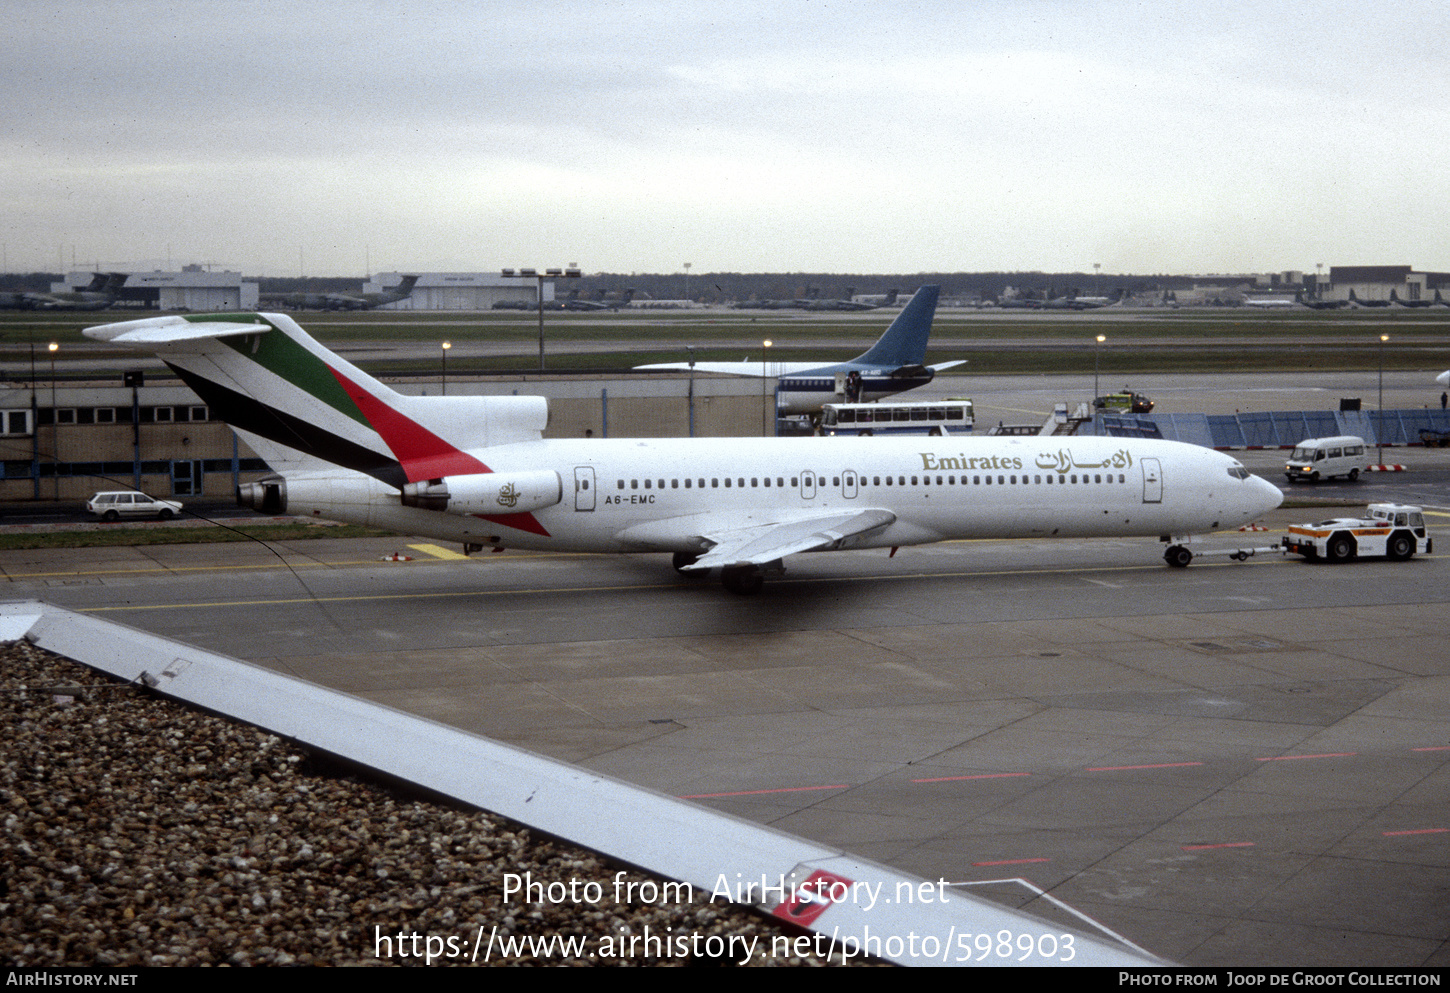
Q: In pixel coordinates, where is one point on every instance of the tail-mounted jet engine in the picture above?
(268, 495)
(487, 493)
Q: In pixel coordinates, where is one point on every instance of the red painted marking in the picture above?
(811, 899)
(787, 789)
(421, 453)
(1396, 834)
(1012, 862)
(1433, 748)
(1161, 765)
(524, 522)
(424, 455)
(1287, 758)
(985, 775)
(1227, 844)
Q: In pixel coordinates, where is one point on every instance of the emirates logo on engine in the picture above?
(508, 496)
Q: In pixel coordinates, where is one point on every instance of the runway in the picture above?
(1233, 764)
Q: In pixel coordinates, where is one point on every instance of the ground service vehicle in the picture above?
(113, 505)
(1133, 403)
(938, 417)
(1324, 458)
(1393, 530)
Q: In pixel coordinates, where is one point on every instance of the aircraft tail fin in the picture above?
(904, 342)
(265, 376)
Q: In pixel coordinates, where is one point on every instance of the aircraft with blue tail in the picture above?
(893, 365)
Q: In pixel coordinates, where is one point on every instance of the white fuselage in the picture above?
(664, 494)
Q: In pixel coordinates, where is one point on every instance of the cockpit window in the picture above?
(1238, 472)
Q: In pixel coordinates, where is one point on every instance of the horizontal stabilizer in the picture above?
(768, 542)
(943, 366)
(161, 330)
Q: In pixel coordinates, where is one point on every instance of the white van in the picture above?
(1324, 458)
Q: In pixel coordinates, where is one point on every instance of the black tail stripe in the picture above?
(249, 414)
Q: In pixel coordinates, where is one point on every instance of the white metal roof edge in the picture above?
(670, 837)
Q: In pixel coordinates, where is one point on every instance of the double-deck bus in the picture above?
(951, 416)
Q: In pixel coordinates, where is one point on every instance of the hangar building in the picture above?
(192, 289)
(459, 290)
(1376, 282)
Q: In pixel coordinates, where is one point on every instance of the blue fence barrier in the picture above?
(1277, 429)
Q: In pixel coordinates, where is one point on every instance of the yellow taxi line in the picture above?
(6, 574)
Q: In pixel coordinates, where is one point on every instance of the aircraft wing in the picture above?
(762, 543)
(746, 368)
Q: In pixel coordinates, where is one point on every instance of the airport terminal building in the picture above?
(66, 441)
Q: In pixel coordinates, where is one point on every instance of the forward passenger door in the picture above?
(1152, 481)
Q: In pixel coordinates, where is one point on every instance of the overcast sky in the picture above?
(635, 136)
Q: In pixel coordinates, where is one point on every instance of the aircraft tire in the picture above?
(743, 580)
(1340, 548)
(1178, 557)
(1401, 546)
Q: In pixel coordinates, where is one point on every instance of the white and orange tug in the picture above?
(1394, 531)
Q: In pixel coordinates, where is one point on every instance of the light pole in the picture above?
(687, 279)
(54, 347)
(1097, 349)
(443, 384)
(691, 350)
(1379, 431)
(572, 272)
(764, 385)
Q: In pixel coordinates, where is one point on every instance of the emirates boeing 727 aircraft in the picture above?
(477, 470)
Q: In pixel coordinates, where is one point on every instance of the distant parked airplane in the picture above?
(892, 365)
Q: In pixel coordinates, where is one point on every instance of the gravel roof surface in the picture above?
(136, 831)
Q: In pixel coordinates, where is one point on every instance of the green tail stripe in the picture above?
(287, 359)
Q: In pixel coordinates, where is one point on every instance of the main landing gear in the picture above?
(1178, 556)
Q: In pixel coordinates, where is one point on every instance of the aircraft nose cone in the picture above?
(1266, 496)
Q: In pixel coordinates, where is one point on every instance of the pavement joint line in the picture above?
(782, 789)
(985, 775)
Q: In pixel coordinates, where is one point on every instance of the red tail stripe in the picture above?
(421, 453)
